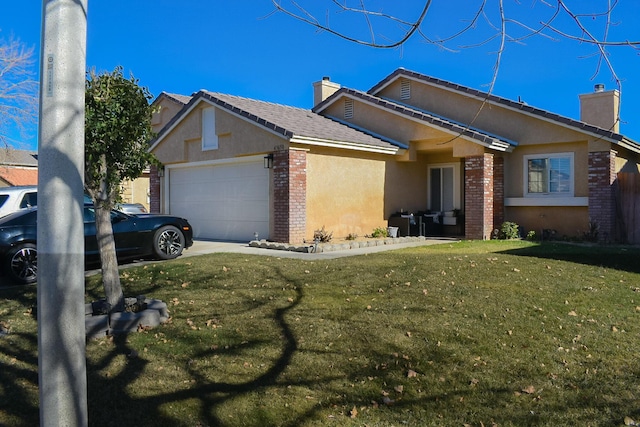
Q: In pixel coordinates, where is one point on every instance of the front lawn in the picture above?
(505, 333)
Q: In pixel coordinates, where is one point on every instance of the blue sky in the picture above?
(241, 48)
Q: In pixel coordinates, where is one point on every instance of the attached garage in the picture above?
(223, 200)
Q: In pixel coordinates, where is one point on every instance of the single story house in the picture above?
(18, 167)
(412, 144)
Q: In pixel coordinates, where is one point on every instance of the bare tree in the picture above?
(18, 89)
(489, 24)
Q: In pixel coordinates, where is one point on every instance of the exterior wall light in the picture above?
(268, 161)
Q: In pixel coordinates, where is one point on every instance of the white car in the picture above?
(15, 198)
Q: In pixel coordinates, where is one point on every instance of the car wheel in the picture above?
(22, 263)
(168, 242)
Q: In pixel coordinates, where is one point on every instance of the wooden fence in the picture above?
(628, 196)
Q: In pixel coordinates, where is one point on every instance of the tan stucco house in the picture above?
(459, 160)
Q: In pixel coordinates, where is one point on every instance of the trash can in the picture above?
(392, 231)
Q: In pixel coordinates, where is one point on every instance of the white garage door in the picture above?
(222, 202)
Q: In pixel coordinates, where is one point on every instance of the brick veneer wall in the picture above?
(479, 196)
(602, 175)
(498, 191)
(290, 196)
(154, 190)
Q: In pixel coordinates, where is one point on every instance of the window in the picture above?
(209, 136)
(29, 200)
(444, 193)
(549, 175)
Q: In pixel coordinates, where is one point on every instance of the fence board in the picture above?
(628, 190)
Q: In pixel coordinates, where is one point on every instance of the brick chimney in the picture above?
(324, 89)
(601, 108)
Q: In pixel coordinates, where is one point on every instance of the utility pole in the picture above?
(61, 329)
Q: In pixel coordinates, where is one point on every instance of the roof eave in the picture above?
(344, 145)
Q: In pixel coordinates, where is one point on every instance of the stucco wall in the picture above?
(344, 194)
(523, 128)
(354, 195)
(565, 220)
(236, 137)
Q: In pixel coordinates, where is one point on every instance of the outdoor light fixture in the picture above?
(268, 161)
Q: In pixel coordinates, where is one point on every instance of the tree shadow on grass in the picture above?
(624, 258)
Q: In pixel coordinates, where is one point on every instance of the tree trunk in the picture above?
(107, 247)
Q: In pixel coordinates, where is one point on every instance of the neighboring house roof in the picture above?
(519, 106)
(18, 167)
(12, 157)
(18, 175)
(413, 113)
(297, 125)
(181, 99)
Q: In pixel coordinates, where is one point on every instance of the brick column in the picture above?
(154, 189)
(602, 175)
(479, 196)
(290, 196)
(498, 191)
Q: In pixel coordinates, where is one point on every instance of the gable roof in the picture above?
(507, 103)
(297, 125)
(484, 138)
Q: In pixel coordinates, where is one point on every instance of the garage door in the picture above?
(222, 202)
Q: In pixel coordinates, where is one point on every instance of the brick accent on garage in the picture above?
(290, 196)
(479, 196)
(602, 175)
(154, 189)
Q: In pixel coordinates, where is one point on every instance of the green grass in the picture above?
(474, 333)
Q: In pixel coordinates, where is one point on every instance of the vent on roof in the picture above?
(348, 108)
(405, 89)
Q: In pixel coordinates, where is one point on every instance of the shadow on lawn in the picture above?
(624, 258)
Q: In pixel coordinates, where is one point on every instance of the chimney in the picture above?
(601, 108)
(324, 89)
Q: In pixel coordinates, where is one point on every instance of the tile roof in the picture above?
(19, 176)
(296, 124)
(485, 138)
(401, 72)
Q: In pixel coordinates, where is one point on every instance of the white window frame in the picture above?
(457, 201)
(525, 174)
(209, 136)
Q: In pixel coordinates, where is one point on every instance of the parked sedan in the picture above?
(136, 237)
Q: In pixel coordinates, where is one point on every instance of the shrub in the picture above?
(352, 236)
(322, 235)
(531, 236)
(379, 232)
(508, 230)
(591, 235)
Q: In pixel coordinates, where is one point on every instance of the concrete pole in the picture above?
(61, 330)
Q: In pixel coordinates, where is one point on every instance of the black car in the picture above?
(136, 237)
